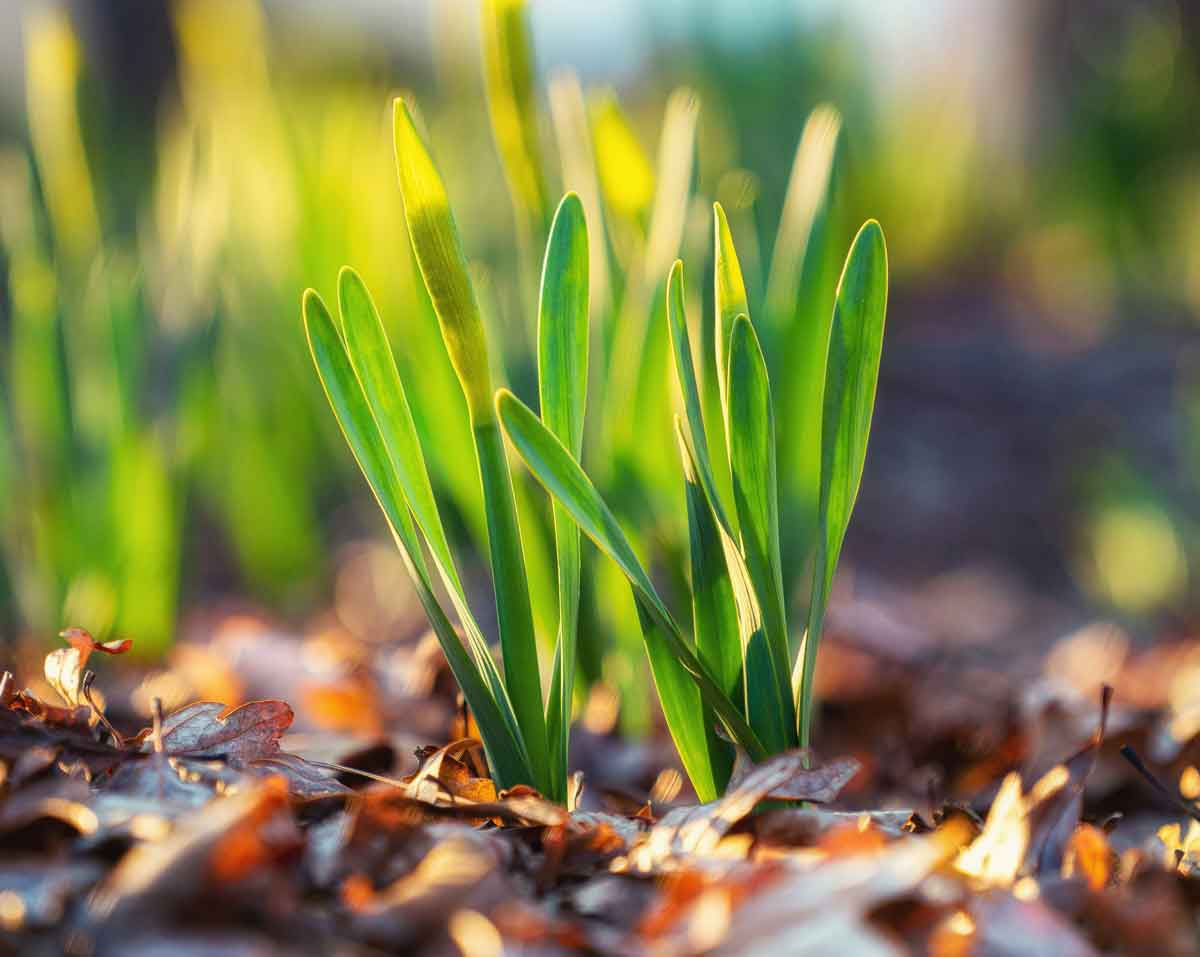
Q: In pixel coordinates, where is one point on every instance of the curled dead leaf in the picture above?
(64, 667)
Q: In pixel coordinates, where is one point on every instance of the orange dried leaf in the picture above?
(1089, 856)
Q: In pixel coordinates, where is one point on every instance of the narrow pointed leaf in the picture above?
(561, 475)
(689, 388)
(762, 638)
(706, 758)
(855, 344)
(370, 355)
(485, 694)
(562, 385)
(442, 262)
(752, 458)
(804, 205)
(729, 294)
(805, 265)
(714, 611)
(518, 644)
(443, 267)
(563, 326)
(508, 70)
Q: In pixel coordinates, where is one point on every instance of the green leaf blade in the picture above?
(563, 325)
(714, 610)
(707, 760)
(370, 355)
(562, 385)
(752, 457)
(553, 466)
(508, 72)
(518, 644)
(689, 388)
(852, 373)
(762, 634)
(801, 288)
(442, 262)
(443, 267)
(506, 751)
(729, 293)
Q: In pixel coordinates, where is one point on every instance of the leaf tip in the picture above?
(400, 110)
(720, 219)
(349, 280)
(743, 335)
(503, 398)
(570, 210)
(310, 303)
(872, 232)
(405, 137)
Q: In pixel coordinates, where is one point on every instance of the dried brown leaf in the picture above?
(305, 780)
(698, 830)
(64, 667)
(460, 871)
(1089, 856)
(225, 839)
(241, 735)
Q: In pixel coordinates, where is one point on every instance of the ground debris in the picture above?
(211, 833)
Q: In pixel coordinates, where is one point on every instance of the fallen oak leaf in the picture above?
(207, 729)
(698, 830)
(443, 779)
(794, 776)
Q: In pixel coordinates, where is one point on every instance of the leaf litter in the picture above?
(218, 830)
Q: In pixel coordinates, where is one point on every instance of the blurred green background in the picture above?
(173, 175)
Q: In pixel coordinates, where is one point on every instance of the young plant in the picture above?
(734, 667)
(525, 739)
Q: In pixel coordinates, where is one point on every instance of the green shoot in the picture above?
(443, 267)
(735, 670)
(526, 739)
(729, 681)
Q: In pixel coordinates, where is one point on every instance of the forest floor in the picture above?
(967, 798)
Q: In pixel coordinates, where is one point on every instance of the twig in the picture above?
(156, 736)
(1132, 757)
(89, 678)
(346, 769)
